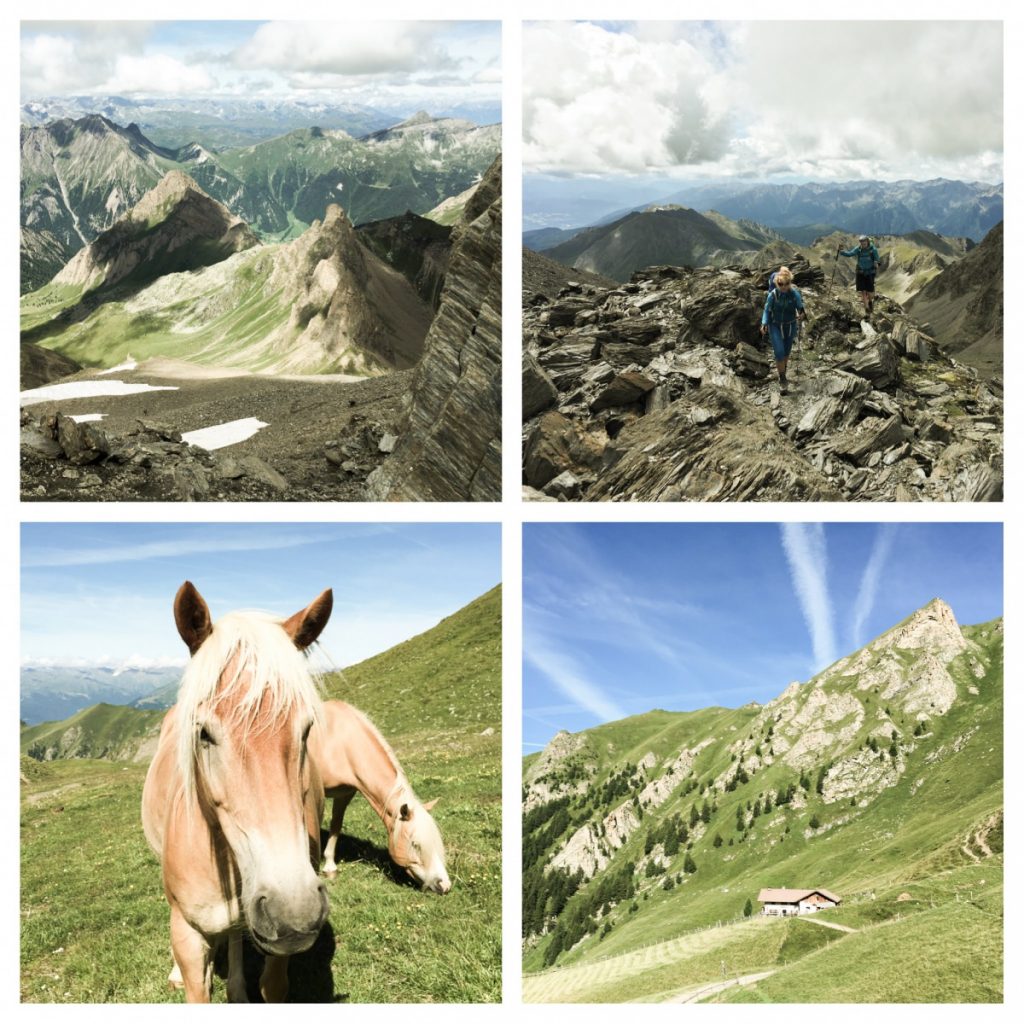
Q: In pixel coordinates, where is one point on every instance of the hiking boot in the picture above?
(783, 386)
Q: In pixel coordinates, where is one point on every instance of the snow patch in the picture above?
(128, 364)
(89, 417)
(86, 389)
(223, 434)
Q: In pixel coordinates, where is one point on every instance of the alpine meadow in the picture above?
(841, 842)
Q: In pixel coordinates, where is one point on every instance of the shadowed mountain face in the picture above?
(678, 236)
(662, 390)
(176, 226)
(880, 774)
(963, 305)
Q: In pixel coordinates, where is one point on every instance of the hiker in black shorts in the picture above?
(867, 264)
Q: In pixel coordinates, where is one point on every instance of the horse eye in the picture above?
(205, 737)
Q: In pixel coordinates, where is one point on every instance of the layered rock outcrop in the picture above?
(662, 390)
(449, 446)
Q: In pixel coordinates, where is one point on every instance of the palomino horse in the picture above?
(352, 755)
(232, 802)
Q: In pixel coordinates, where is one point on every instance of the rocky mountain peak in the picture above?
(175, 226)
(933, 627)
(420, 117)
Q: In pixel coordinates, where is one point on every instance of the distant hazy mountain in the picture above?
(662, 235)
(52, 692)
(875, 207)
(218, 122)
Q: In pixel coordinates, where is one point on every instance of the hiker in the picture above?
(783, 310)
(867, 264)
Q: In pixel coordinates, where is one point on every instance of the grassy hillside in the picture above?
(105, 938)
(695, 860)
(108, 731)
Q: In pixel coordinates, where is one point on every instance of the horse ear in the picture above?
(431, 804)
(191, 616)
(305, 626)
(404, 813)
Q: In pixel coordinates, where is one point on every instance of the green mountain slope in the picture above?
(108, 731)
(879, 775)
(437, 699)
(321, 303)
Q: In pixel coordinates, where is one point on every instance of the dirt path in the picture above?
(827, 924)
(718, 986)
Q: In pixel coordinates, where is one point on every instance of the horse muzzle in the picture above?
(285, 924)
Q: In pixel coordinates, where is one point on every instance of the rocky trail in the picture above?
(324, 436)
(662, 390)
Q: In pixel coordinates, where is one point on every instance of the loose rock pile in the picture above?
(661, 389)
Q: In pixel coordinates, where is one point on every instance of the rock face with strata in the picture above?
(449, 447)
(665, 392)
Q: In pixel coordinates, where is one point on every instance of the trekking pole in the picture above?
(834, 265)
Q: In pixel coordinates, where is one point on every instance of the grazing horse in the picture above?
(232, 801)
(352, 755)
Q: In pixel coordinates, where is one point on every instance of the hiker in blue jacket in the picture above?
(867, 264)
(783, 311)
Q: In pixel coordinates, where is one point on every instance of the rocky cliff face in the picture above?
(416, 247)
(450, 444)
(660, 390)
(347, 306)
(963, 305)
(174, 227)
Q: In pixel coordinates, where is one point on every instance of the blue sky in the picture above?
(104, 591)
(393, 65)
(622, 618)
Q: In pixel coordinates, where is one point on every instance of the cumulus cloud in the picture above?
(157, 75)
(60, 56)
(852, 99)
(355, 48)
(598, 101)
(822, 100)
(804, 544)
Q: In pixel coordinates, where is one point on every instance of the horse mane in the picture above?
(250, 657)
(401, 783)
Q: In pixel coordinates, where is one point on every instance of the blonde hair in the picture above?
(784, 276)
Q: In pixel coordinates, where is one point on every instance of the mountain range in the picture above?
(647, 841)
(79, 176)
(52, 692)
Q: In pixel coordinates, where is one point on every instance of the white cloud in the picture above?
(599, 102)
(571, 680)
(804, 544)
(67, 57)
(157, 75)
(820, 100)
(355, 48)
(870, 580)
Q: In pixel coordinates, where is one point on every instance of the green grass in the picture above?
(917, 837)
(94, 918)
